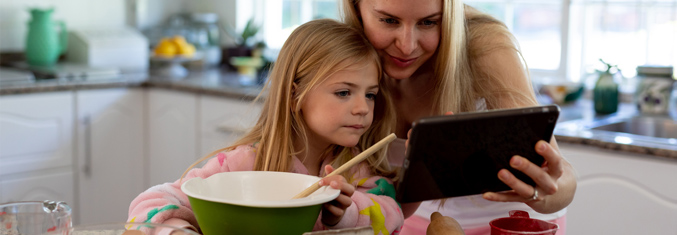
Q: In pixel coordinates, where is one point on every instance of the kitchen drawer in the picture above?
(39, 186)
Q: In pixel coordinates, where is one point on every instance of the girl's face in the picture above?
(341, 108)
(404, 32)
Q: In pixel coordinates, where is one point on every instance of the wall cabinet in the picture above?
(621, 193)
(172, 126)
(110, 154)
(36, 147)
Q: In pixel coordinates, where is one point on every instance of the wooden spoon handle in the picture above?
(357, 159)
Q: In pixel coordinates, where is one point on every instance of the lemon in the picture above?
(183, 48)
(166, 48)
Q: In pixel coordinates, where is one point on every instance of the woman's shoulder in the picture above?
(486, 33)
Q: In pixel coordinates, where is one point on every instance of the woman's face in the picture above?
(405, 32)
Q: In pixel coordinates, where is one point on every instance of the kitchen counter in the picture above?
(571, 128)
(210, 82)
(216, 82)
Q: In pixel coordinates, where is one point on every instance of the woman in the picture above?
(441, 56)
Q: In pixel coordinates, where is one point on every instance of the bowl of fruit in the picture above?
(170, 54)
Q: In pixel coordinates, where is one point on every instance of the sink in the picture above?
(651, 126)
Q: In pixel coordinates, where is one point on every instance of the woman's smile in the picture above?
(399, 62)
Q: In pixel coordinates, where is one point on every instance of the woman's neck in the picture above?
(413, 98)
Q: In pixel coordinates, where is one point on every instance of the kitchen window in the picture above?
(283, 16)
(560, 39)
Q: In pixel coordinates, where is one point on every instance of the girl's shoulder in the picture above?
(241, 158)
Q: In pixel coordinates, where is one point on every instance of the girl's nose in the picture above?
(406, 40)
(360, 107)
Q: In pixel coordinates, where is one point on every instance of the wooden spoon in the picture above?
(357, 159)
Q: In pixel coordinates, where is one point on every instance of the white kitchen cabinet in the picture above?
(36, 131)
(173, 139)
(621, 193)
(110, 153)
(224, 120)
(36, 147)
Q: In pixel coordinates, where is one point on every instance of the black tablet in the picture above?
(461, 154)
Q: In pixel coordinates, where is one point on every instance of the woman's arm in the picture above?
(506, 79)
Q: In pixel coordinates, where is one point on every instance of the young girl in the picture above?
(324, 105)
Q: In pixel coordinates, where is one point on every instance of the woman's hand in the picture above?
(333, 211)
(554, 174)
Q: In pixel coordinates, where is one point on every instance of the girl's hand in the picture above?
(333, 211)
(546, 177)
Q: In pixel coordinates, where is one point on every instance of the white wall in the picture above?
(14, 15)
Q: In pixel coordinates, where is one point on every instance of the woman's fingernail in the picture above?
(321, 183)
(503, 175)
(516, 162)
(541, 146)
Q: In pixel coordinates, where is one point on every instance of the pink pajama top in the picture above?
(373, 201)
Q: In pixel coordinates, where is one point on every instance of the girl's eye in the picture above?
(388, 20)
(371, 96)
(342, 93)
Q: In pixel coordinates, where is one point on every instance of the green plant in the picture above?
(247, 36)
(609, 67)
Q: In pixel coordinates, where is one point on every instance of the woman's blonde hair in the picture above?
(313, 52)
(466, 34)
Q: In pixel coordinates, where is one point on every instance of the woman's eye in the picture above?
(429, 23)
(342, 93)
(388, 20)
(371, 96)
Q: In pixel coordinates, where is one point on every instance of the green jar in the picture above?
(606, 95)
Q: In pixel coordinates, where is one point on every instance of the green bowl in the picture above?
(255, 202)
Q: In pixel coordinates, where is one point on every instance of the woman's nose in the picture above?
(406, 40)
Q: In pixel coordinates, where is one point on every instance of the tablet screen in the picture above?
(458, 155)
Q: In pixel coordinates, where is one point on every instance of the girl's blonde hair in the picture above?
(466, 34)
(313, 52)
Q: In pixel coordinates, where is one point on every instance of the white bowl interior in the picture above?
(258, 189)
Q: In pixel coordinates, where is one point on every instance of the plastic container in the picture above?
(672, 105)
(519, 223)
(206, 37)
(35, 218)
(653, 92)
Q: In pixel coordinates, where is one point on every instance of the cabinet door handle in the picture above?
(87, 167)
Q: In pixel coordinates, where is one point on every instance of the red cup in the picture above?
(519, 223)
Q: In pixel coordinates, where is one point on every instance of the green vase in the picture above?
(605, 94)
(43, 43)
